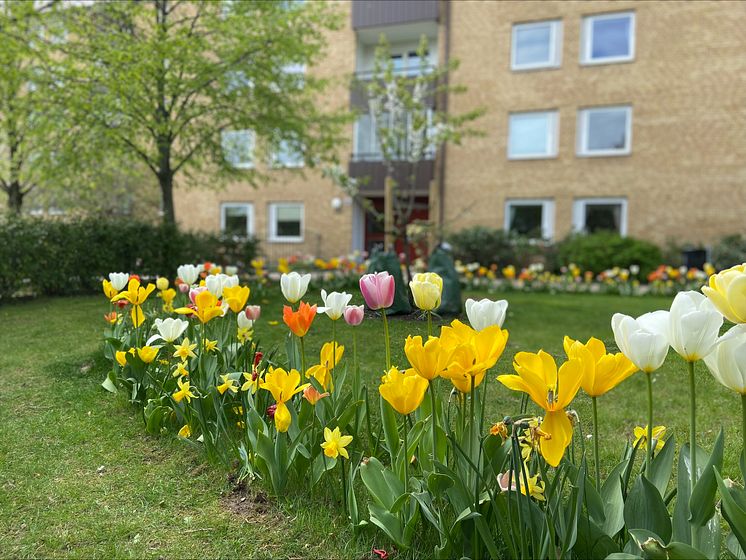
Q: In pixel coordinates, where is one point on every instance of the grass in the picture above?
(80, 477)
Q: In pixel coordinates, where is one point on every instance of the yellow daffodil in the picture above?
(335, 443)
(252, 382)
(283, 386)
(244, 334)
(328, 360)
(727, 292)
(185, 350)
(147, 353)
(109, 290)
(641, 437)
(499, 429)
(236, 297)
(183, 392)
(207, 307)
(601, 371)
(185, 431)
(550, 389)
(403, 391)
(427, 288)
(136, 295)
(180, 370)
(210, 345)
(227, 385)
(428, 360)
(121, 358)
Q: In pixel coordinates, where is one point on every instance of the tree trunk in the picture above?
(15, 197)
(166, 182)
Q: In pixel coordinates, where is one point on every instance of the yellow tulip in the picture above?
(109, 290)
(552, 390)
(403, 391)
(136, 295)
(207, 307)
(121, 358)
(428, 360)
(427, 288)
(328, 360)
(185, 431)
(283, 418)
(727, 292)
(601, 371)
(283, 385)
(161, 283)
(147, 353)
(236, 297)
(335, 443)
(474, 352)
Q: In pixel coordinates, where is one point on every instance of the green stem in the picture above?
(344, 484)
(429, 323)
(743, 420)
(595, 444)
(471, 420)
(693, 441)
(406, 452)
(302, 356)
(386, 337)
(649, 460)
(433, 421)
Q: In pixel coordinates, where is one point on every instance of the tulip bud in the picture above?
(253, 312)
(161, 283)
(271, 409)
(183, 287)
(354, 315)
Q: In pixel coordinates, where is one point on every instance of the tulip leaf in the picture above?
(644, 509)
(372, 474)
(654, 549)
(733, 512)
(438, 483)
(592, 541)
(662, 465)
(622, 556)
(702, 502)
(613, 500)
(388, 523)
(731, 542)
(322, 464)
(110, 382)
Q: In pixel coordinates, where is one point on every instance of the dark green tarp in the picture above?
(441, 263)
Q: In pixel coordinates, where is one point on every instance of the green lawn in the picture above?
(80, 477)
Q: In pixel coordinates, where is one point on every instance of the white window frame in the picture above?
(555, 45)
(579, 207)
(249, 215)
(272, 225)
(252, 148)
(277, 164)
(586, 41)
(547, 214)
(552, 141)
(582, 132)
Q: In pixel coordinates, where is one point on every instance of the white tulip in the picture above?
(215, 285)
(643, 340)
(118, 280)
(485, 313)
(694, 325)
(231, 270)
(188, 273)
(243, 321)
(229, 280)
(169, 329)
(294, 286)
(334, 304)
(727, 361)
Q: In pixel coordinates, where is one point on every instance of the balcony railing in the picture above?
(373, 174)
(379, 13)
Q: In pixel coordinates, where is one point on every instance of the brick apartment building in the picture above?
(620, 115)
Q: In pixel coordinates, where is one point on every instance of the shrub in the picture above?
(603, 250)
(493, 246)
(62, 257)
(729, 251)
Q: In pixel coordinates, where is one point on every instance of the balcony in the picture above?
(381, 13)
(365, 166)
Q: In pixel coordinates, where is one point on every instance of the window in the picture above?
(530, 217)
(532, 135)
(238, 148)
(237, 218)
(416, 142)
(286, 155)
(409, 63)
(605, 131)
(536, 45)
(296, 74)
(600, 214)
(608, 38)
(286, 221)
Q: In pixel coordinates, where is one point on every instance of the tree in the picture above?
(168, 81)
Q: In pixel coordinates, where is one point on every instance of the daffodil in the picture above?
(185, 350)
(601, 371)
(180, 370)
(136, 295)
(147, 353)
(552, 390)
(244, 334)
(206, 307)
(404, 391)
(283, 385)
(330, 355)
(185, 431)
(428, 360)
(236, 297)
(184, 391)
(210, 345)
(641, 437)
(228, 384)
(252, 382)
(335, 443)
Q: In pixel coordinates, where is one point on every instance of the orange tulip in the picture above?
(299, 321)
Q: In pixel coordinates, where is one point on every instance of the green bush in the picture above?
(603, 250)
(62, 257)
(729, 251)
(493, 246)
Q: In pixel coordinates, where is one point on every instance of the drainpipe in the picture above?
(444, 107)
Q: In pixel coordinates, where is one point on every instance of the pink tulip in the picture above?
(354, 314)
(378, 290)
(194, 291)
(253, 312)
(184, 287)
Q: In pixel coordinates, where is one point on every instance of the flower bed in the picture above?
(524, 487)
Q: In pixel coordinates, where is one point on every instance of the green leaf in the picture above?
(613, 500)
(388, 420)
(110, 382)
(662, 466)
(372, 475)
(733, 513)
(653, 548)
(622, 556)
(731, 542)
(645, 509)
(438, 483)
(592, 541)
(702, 502)
(322, 464)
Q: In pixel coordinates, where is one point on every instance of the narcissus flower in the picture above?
(404, 391)
(236, 297)
(334, 304)
(641, 437)
(602, 372)
(428, 360)
(228, 384)
(180, 370)
(378, 290)
(299, 321)
(550, 389)
(147, 353)
(727, 292)
(335, 443)
(136, 295)
(185, 431)
(185, 350)
(210, 345)
(207, 307)
(252, 381)
(283, 385)
(294, 286)
(330, 355)
(427, 288)
(184, 391)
